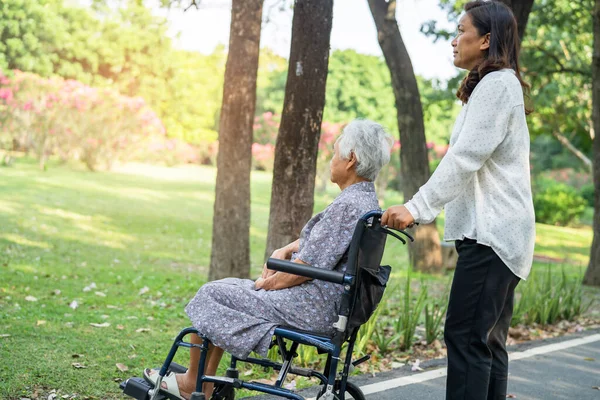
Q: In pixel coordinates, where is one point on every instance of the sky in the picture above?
(353, 28)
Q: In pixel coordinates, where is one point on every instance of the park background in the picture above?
(110, 124)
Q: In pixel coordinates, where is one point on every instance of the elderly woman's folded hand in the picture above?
(273, 282)
(284, 253)
(281, 280)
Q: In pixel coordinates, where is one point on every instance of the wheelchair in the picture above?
(364, 282)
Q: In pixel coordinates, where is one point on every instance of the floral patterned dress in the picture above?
(240, 319)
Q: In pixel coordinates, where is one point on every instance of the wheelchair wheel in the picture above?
(352, 391)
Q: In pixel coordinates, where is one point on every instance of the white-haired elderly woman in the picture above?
(240, 315)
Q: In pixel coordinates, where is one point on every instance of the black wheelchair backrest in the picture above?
(364, 263)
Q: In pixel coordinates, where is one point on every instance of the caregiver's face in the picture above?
(468, 46)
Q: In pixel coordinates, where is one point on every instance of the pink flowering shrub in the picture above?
(73, 120)
(263, 156)
(176, 151)
(265, 128)
(568, 176)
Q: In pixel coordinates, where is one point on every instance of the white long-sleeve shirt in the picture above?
(483, 181)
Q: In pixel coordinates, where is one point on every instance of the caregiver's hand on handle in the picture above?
(397, 217)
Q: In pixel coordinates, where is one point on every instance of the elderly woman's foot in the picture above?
(177, 384)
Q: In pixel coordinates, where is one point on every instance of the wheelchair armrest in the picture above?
(305, 270)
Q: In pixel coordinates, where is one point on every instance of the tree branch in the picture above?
(565, 142)
(560, 66)
(192, 3)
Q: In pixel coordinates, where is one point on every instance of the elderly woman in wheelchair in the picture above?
(241, 316)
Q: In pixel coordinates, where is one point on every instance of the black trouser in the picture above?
(479, 313)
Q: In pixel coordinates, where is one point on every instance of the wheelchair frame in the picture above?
(334, 386)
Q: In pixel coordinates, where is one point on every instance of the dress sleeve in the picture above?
(484, 128)
(329, 239)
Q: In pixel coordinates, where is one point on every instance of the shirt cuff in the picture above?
(414, 211)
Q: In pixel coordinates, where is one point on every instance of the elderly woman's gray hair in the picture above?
(371, 145)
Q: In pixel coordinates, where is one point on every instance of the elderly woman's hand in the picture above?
(280, 254)
(280, 280)
(397, 217)
(284, 253)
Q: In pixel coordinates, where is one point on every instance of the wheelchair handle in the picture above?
(306, 270)
(370, 214)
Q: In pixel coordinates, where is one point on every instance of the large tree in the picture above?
(592, 275)
(425, 252)
(294, 170)
(230, 255)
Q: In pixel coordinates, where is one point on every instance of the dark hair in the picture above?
(498, 20)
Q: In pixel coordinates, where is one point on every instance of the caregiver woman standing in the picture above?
(483, 183)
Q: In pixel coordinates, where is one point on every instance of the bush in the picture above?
(557, 203)
(54, 116)
(547, 298)
(587, 192)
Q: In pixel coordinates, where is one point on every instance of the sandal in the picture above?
(172, 388)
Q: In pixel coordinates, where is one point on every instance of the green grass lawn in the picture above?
(130, 248)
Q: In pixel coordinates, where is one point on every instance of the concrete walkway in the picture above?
(561, 368)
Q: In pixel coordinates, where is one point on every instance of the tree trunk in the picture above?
(425, 252)
(521, 9)
(292, 196)
(592, 275)
(230, 255)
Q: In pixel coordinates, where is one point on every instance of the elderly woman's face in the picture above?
(338, 166)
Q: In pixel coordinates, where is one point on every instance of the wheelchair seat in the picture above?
(364, 282)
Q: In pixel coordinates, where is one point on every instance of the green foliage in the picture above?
(122, 46)
(365, 332)
(385, 341)
(440, 109)
(184, 88)
(35, 36)
(556, 59)
(190, 102)
(556, 203)
(408, 320)
(270, 83)
(544, 299)
(359, 86)
(434, 316)
(547, 153)
(587, 192)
